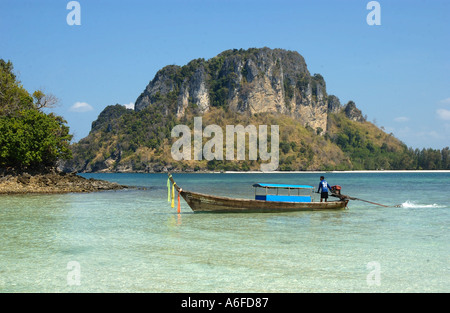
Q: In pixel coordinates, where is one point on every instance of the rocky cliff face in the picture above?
(252, 81)
(353, 113)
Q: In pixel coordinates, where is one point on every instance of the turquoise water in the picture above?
(133, 241)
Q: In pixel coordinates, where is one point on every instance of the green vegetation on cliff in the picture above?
(123, 137)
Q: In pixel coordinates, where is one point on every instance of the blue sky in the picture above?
(397, 72)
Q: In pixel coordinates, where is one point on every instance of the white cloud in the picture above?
(443, 114)
(130, 105)
(430, 134)
(447, 127)
(405, 131)
(401, 119)
(81, 107)
(445, 101)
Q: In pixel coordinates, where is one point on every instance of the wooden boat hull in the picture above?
(207, 203)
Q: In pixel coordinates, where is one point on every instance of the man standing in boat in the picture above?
(324, 186)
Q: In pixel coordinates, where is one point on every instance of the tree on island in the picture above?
(29, 138)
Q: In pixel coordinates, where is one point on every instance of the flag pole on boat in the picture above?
(168, 190)
(172, 199)
(173, 196)
(179, 202)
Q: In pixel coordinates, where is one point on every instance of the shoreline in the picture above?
(273, 172)
(355, 171)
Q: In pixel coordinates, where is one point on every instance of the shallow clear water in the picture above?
(133, 241)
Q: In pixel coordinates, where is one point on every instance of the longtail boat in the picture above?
(268, 202)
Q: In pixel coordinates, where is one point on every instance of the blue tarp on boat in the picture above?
(283, 198)
(283, 186)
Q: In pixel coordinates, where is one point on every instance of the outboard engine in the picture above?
(336, 189)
